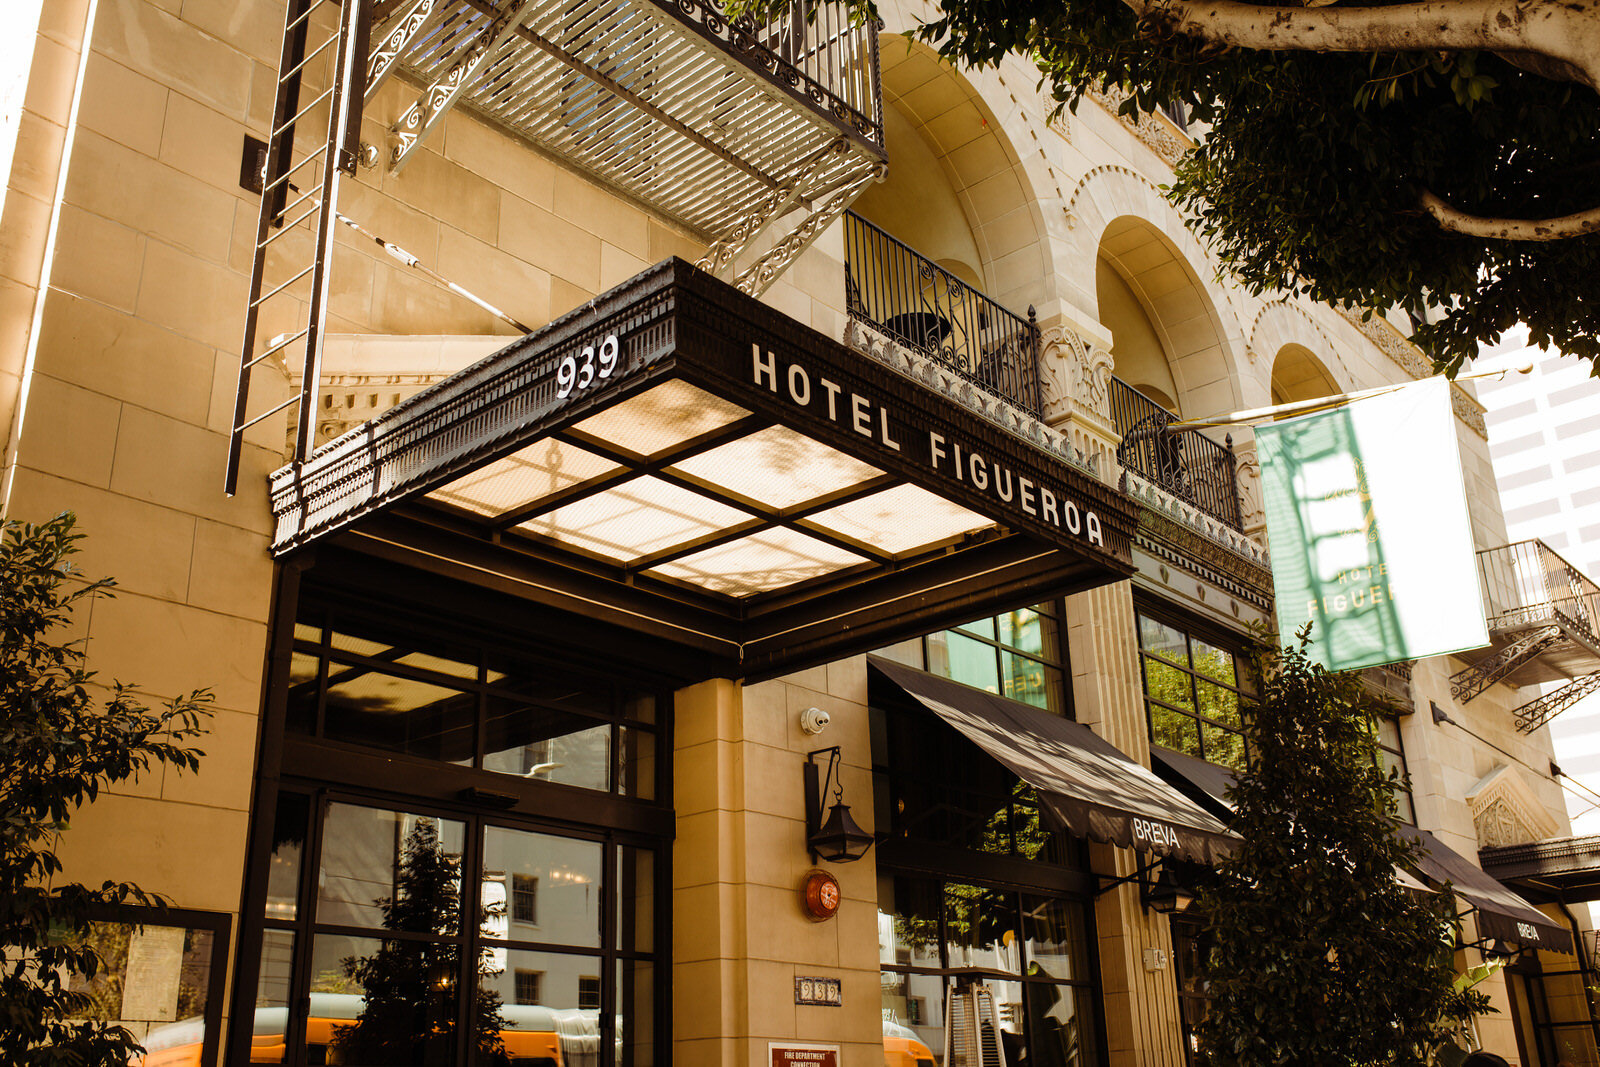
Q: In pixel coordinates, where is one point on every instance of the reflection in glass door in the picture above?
(1031, 952)
(421, 938)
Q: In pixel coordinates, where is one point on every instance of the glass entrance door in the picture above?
(414, 937)
(458, 848)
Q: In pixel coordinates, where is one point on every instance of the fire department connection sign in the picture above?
(1370, 537)
(803, 1055)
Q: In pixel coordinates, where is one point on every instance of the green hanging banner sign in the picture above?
(1370, 538)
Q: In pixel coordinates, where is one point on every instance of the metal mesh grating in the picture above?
(652, 100)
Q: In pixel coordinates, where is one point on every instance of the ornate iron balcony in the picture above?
(1544, 626)
(1185, 463)
(1529, 584)
(908, 297)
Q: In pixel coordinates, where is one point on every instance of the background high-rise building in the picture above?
(1544, 440)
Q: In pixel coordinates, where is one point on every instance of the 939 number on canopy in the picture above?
(576, 373)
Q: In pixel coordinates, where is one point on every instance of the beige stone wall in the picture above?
(40, 94)
(740, 937)
(127, 402)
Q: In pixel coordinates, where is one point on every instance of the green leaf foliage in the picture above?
(1308, 175)
(1318, 955)
(63, 739)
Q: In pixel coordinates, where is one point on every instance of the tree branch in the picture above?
(1560, 228)
(1566, 31)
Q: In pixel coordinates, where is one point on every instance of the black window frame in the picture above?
(905, 855)
(327, 619)
(1404, 795)
(525, 978)
(1088, 987)
(217, 924)
(323, 771)
(1051, 658)
(525, 899)
(1191, 627)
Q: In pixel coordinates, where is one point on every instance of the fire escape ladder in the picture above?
(1466, 685)
(823, 189)
(300, 193)
(778, 203)
(1535, 713)
(728, 128)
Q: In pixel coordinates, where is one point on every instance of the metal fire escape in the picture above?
(754, 136)
(1544, 626)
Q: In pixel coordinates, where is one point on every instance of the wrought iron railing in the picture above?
(912, 299)
(1529, 584)
(833, 56)
(1185, 463)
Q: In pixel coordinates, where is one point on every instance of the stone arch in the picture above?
(1297, 374)
(965, 123)
(1116, 213)
(1295, 359)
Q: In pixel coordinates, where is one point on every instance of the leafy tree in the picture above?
(60, 744)
(408, 1014)
(1439, 155)
(1318, 955)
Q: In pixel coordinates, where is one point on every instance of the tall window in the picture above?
(1016, 654)
(525, 899)
(1195, 692)
(464, 828)
(974, 883)
(365, 682)
(1393, 758)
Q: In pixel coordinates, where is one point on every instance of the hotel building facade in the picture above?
(648, 432)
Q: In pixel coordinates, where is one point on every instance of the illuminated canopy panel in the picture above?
(679, 458)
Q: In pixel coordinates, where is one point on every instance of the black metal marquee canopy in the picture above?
(680, 459)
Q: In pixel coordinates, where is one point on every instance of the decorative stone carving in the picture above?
(1286, 321)
(1077, 374)
(1156, 133)
(349, 400)
(1505, 810)
(1468, 411)
(1163, 503)
(1095, 172)
(1379, 331)
(1498, 825)
(1252, 508)
(865, 339)
(1187, 538)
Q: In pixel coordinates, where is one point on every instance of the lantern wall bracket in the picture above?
(1159, 889)
(1141, 876)
(819, 827)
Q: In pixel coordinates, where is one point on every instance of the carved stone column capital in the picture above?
(1252, 506)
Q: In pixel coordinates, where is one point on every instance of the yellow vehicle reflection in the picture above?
(533, 1036)
(902, 1048)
